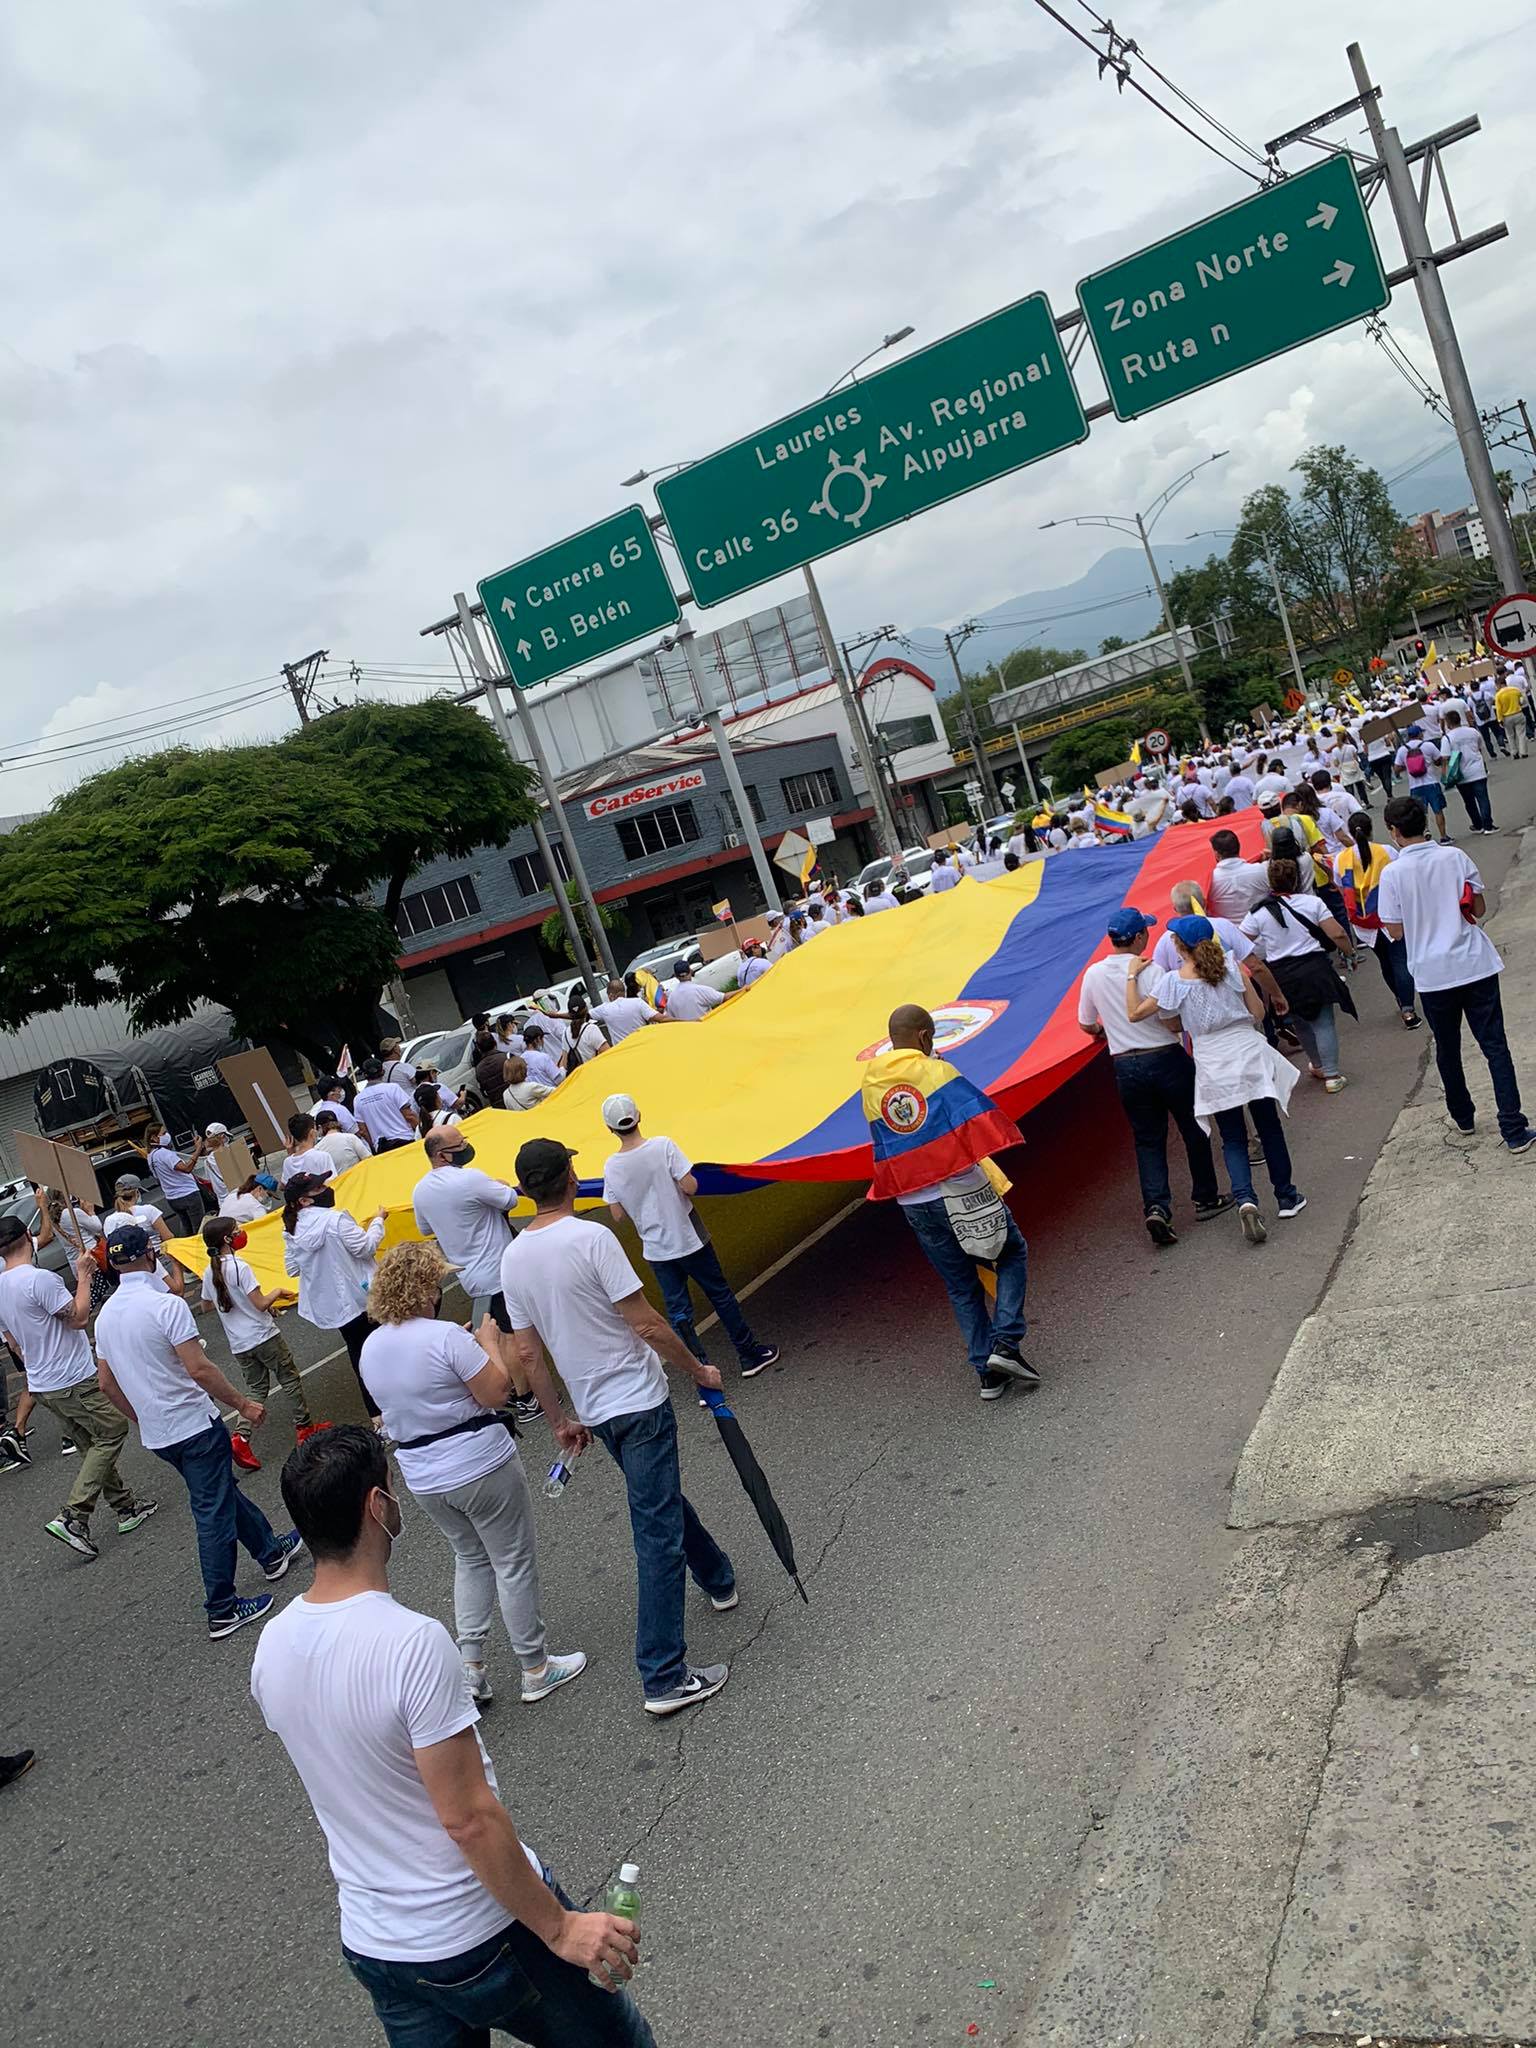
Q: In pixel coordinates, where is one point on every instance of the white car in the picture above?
(449, 1052)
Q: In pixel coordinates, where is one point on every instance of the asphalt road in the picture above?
(869, 1837)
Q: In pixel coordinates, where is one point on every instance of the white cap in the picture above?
(217, 1131)
(629, 1873)
(620, 1113)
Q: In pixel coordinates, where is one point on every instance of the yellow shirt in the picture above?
(1506, 701)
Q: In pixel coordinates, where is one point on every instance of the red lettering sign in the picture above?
(612, 801)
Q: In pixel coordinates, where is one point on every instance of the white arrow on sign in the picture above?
(1324, 217)
(509, 607)
(524, 649)
(1341, 273)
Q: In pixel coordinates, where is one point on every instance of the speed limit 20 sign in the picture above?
(1158, 741)
(1510, 628)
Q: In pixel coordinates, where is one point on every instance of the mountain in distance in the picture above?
(1114, 596)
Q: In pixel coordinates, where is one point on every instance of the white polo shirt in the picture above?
(175, 1184)
(1422, 891)
(1101, 999)
(945, 876)
(136, 1334)
(624, 1015)
(690, 1001)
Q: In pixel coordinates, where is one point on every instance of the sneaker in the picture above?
(994, 1386)
(9, 1462)
(479, 1682)
(71, 1530)
(1005, 1359)
(1253, 1223)
(1523, 1143)
(306, 1430)
(240, 1450)
(1412, 1021)
(526, 1408)
(292, 1547)
(1335, 1083)
(1159, 1227)
(768, 1354)
(1466, 1130)
(68, 1449)
(1293, 1206)
(138, 1514)
(722, 1603)
(17, 1766)
(256, 1609)
(558, 1671)
(15, 1447)
(700, 1684)
(1204, 1211)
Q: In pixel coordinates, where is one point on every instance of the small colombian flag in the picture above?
(1118, 824)
(808, 866)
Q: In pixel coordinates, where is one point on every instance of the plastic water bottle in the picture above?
(559, 1479)
(622, 1898)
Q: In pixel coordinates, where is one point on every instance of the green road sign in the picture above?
(579, 599)
(1296, 260)
(987, 400)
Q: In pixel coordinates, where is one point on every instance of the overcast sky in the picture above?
(315, 315)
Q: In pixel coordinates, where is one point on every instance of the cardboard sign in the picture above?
(1446, 675)
(1108, 777)
(714, 945)
(820, 831)
(1374, 729)
(1262, 716)
(952, 835)
(64, 1167)
(234, 1162)
(262, 1094)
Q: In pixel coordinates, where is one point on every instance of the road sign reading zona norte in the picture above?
(986, 400)
(1296, 260)
(579, 599)
(1510, 628)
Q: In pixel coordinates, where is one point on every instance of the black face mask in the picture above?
(326, 1199)
(460, 1158)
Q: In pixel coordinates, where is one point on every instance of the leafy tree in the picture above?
(1078, 756)
(1113, 644)
(555, 939)
(243, 875)
(1023, 665)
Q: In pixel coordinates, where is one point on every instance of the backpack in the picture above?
(1416, 764)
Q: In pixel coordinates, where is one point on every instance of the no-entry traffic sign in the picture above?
(1510, 628)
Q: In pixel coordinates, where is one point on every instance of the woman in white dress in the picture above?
(1237, 1070)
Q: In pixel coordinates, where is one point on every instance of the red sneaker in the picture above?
(240, 1450)
(306, 1430)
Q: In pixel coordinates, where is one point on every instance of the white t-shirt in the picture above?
(1240, 789)
(175, 1184)
(1101, 999)
(525, 1094)
(755, 966)
(351, 1688)
(690, 1001)
(143, 1213)
(344, 1115)
(541, 1067)
(381, 1106)
(945, 876)
(208, 1165)
(315, 1160)
(1236, 885)
(1467, 741)
(416, 1372)
(1269, 784)
(1422, 892)
(32, 1302)
(624, 1015)
(562, 1279)
(245, 1325)
(465, 1210)
(1432, 760)
(590, 1041)
(344, 1149)
(644, 1183)
(1197, 794)
(557, 1033)
(137, 1333)
(244, 1208)
(1277, 939)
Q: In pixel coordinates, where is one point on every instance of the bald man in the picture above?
(993, 1333)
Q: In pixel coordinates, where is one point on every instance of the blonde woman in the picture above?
(441, 1394)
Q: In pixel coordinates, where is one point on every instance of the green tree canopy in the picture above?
(232, 875)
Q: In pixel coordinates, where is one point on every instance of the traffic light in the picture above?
(1420, 649)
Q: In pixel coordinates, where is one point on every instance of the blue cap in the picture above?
(127, 1246)
(1192, 929)
(1125, 924)
(1415, 732)
(265, 1180)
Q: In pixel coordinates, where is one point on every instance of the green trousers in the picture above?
(97, 1430)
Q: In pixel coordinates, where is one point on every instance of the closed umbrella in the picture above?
(758, 1491)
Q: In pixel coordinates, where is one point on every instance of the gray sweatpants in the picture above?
(489, 1522)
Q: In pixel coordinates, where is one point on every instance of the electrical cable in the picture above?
(1107, 28)
(230, 693)
(127, 741)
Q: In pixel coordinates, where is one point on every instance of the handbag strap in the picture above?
(486, 1421)
(1283, 910)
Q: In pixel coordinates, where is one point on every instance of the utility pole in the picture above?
(503, 725)
(301, 676)
(1456, 384)
(853, 711)
(968, 722)
(1285, 619)
(710, 705)
(1178, 644)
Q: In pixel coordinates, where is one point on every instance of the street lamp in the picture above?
(1227, 533)
(888, 341)
(1141, 524)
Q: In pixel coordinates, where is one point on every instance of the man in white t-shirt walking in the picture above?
(690, 1001)
(650, 1182)
(1432, 896)
(466, 1211)
(154, 1370)
(386, 1111)
(945, 873)
(570, 1289)
(46, 1324)
(451, 1923)
(622, 1015)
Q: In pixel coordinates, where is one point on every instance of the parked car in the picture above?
(919, 867)
(659, 959)
(449, 1053)
(55, 1257)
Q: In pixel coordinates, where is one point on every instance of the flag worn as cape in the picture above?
(927, 1121)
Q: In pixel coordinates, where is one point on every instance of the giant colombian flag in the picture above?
(769, 1087)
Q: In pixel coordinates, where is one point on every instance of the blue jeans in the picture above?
(1234, 1145)
(670, 1541)
(703, 1267)
(1153, 1086)
(1392, 959)
(1479, 807)
(1480, 1004)
(980, 1325)
(1320, 1036)
(512, 1984)
(223, 1515)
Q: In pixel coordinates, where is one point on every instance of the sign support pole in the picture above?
(503, 726)
(1178, 644)
(1029, 773)
(853, 711)
(705, 690)
(1285, 619)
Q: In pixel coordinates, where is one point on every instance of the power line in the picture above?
(230, 694)
(125, 741)
(1414, 378)
(1122, 71)
(1128, 49)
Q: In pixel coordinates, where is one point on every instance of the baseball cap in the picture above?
(1271, 800)
(620, 1112)
(127, 1246)
(1192, 930)
(681, 969)
(1125, 924)
(129, 1180)
(12, 1232)
(298, 1185)
(217, 1131)
(1415, 732)
(265, 1180)
(541, 1165)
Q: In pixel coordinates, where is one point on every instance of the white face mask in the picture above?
(398, 1531)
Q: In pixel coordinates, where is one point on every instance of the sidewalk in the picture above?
(1330, 1833)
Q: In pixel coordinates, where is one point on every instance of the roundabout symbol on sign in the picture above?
(1510, 628)
(868, 485)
